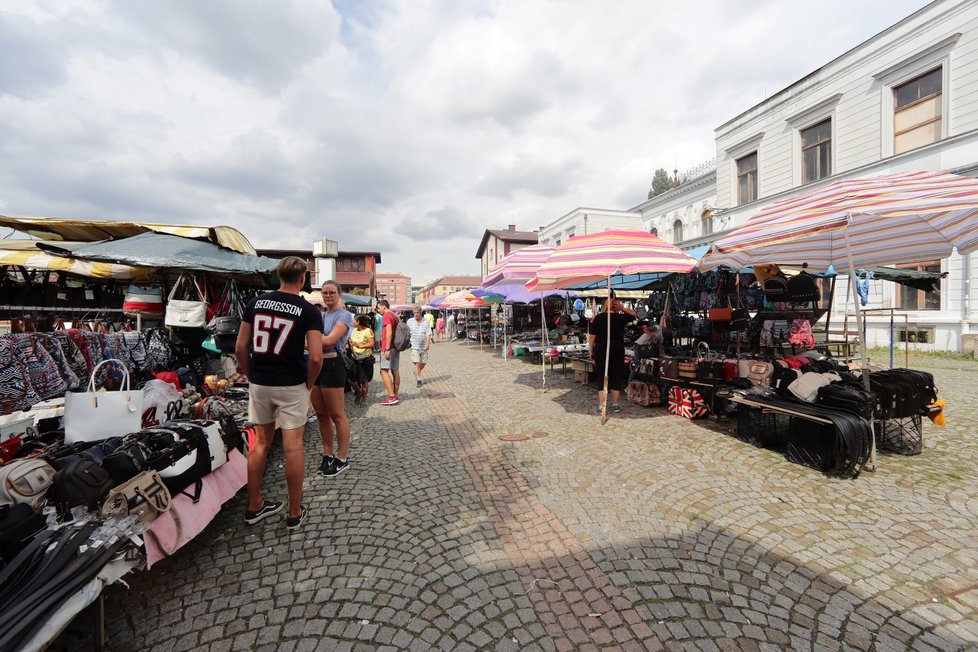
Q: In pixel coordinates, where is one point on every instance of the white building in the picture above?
(581, 221)
(686, 214)
(905, 100)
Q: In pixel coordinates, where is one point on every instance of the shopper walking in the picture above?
(361, 350)
(276, 330)
(440, 328)
(327, 397)
(420, 343)
(390, 358)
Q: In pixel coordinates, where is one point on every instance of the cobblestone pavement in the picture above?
(648, 532)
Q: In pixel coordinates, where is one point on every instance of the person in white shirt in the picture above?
(420, 342)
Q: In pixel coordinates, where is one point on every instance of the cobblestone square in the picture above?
(649, 532)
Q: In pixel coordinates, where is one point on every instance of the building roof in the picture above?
(466, 281)
(509, 234)
(400, 277)
(307, 253)
(354, 278)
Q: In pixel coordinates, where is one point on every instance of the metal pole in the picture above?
(607, 358)
(544, 339)
(862, 340)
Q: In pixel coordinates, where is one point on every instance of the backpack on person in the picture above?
(402, 336)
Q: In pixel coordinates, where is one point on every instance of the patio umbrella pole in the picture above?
(607, 360)
(544, 337)
(862, 340)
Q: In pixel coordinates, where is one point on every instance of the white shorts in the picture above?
(288, 405)
(419, 355)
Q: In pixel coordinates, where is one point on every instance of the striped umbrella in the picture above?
(515, 269)
(606, 255)
(518, 267)
(894, 218)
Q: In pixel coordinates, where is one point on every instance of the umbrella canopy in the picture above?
(893, 218)
(26, 254)
(518, 267)
(607, 254)
(519, 294)
(461, 300)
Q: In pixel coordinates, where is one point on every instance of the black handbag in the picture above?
(83, 482)
(127, 462)
(802, 289)
(226, 325)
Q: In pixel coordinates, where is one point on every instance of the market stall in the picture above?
(124, 420)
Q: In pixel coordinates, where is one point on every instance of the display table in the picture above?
(174, 529)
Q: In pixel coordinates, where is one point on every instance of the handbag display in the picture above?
(687, 403)
(145, 495)
(686, 370)
(24, 481)
(760, 373)
(227, 322)
(83, 482)
(144, 301)
(92, 416)
(186, 313)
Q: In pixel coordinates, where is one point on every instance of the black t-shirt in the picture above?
(599, 328)
(279, 323)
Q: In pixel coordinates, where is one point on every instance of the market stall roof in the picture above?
(25, 253)
(645, 281)
(316, 297)
(55, 228)
(162, 251)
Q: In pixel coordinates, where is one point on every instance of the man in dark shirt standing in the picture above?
(598, 340)
(276, 331)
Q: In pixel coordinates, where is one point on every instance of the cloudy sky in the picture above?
(402, 126)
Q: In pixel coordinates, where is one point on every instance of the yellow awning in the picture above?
(26, 254)
(56, 228)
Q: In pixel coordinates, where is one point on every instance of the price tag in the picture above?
(62, 296)
(89, 295)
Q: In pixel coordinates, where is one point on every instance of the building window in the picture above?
(677, 231)
(556, 243)
(917, 112)
(706, 221)
(747, 178)
(654, 231)
(816, 151)
(350, 265)
(909, 298)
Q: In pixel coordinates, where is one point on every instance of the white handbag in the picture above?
(93, 416)
(183, 313)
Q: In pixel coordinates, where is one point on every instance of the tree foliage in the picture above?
(660, 183)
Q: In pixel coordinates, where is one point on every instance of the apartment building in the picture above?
(396, 288)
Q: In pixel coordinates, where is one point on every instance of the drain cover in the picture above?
(513, 438)
(537, 434)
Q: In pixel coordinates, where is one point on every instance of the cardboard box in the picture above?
(580, 375)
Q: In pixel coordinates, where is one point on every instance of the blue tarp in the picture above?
(164, 251)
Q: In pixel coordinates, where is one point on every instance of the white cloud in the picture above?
(401, 126)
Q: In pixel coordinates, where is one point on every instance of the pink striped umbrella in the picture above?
(599, 256)
(604, 255)
(518, 267)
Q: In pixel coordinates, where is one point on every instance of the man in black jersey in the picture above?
(276, 331)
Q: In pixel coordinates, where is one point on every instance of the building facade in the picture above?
(496, 244)
(686, 215)
(581, 221)
(445, 285)
(396, 288)
(355, 270)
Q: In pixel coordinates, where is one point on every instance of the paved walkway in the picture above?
(649, 532)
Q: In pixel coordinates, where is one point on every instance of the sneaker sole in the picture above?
(263, 515)
(302, 519)
(333, 475)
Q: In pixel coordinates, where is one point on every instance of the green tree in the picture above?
(660, 183)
